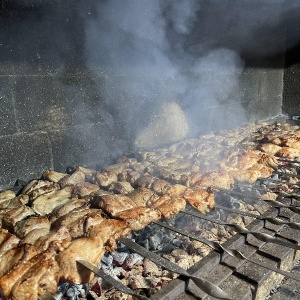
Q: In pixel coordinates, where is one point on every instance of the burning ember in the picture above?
(179, 203)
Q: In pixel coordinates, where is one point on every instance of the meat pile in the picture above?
(61, 218)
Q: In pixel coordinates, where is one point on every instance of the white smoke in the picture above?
(184, 52)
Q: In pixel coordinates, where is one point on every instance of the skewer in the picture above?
(242, 230)
(234, 253)
(117, 284)
(206, 286)
(272, 220)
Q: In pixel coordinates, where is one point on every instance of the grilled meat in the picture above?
(202, 199)
(66, 208)
(90, 249)
(109, 231)
(53, 176)
(32, 236)
(170, 207)
(269, 148)
(15, 256)
(16, 275)
(139, 217)
(85, 188)
(90, 175)
(121, 187)
(113, 204)
(104, 179)
(11, 217)
(59, 239)
(41, 278)
(216, 179)
(7, 240)
(288, 152)
(14, 202)
(6, 196)
(46, 203)
(73, 179)
(24, 226)
(141, 196)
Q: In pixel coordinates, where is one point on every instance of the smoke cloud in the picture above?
(181, 55)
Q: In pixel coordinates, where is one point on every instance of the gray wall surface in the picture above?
(54, 112)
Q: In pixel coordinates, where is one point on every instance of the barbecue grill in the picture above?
(89, 84)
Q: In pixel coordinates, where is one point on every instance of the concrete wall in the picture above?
(52, 112)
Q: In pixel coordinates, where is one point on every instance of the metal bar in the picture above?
(242, 230)
(206, 286)
(234, 253)
(272, 220)
(117, 284)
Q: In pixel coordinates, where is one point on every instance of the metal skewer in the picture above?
(242, 230)
(206, 286)
(117, 284)
(272, 220)
(234, 253)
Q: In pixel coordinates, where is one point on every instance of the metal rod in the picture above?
(272, 220)
(234, 253)
(117, 284)
(206, 286)
(242, 230)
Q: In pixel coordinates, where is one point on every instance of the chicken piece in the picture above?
(33, 235)
(85, 188)
(11, 217)
(73, 179)
(269, 148)
(59, 239)
(15, 202)
(129, 176)
(23, 227)
(53, 176)
(110, 230)
(268, 160)
(113, 204)
(7, 240)
(70, 217)
(46, 203)
(90, 175)
(40, 279)
(263, 170)
(160, 186)
(35, 184)
(121, 187)
(90, 249)
(117, 168)
(6, 195)
(288, 152)
(139, 217)
(8, 281)
(106, 178)
(176, 190)
(142, 195)
(62, 210)
(216, 179)
(42, 190)
(291, 140)
(245, 175)
(171, 207)
(191, 179)
(201, 199)
(15, 256)
(145, 180)
(75, 221)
